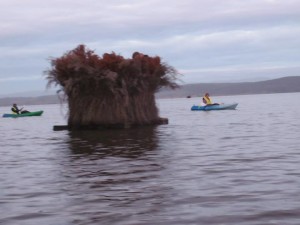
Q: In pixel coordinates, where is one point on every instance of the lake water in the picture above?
(219, 167)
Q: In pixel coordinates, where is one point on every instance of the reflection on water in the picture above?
(114, 174)
(129, 143)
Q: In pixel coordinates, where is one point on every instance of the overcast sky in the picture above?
(205, 40)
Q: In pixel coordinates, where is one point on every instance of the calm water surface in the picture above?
(219, 167)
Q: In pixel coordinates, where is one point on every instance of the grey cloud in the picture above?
(196, 35)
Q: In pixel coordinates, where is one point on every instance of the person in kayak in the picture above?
(207, 101)
(16, 110)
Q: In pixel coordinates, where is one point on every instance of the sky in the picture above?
(205, 40)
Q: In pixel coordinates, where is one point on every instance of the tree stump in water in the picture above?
(110, 91)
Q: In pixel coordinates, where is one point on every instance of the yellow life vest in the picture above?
(207, 100)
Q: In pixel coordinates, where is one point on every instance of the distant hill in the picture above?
(47, 99)
(280, 85)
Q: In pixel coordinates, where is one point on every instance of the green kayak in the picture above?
(36, 113)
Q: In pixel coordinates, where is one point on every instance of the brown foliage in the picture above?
(110, 89)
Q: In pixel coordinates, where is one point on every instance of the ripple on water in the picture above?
(233, 167)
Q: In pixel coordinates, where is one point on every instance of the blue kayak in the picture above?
(37, 113)
(214, 107)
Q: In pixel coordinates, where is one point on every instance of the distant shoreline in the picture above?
(280, 85)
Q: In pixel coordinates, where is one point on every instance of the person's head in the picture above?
(14, 104)
(206, 94)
